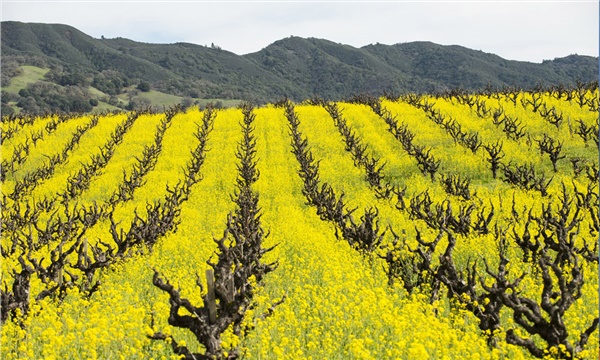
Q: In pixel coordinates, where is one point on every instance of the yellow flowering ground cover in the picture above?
(339, 302)
(21, 136)
(51, 144)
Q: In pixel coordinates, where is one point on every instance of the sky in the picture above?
(515, 30)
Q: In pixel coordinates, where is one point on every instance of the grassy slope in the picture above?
(30, 75)
(160, 99)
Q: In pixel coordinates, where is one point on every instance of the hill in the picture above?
(295, 67)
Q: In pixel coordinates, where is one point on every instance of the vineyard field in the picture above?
(447, 226)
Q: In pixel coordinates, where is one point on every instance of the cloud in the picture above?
(516, 30)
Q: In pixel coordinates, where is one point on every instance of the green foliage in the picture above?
(6, 110)
(143, 86)
(13, 81)
(138, 103)
(9, 70)
(43, 97)
(294, 67)
(8, 97)
(110, 82)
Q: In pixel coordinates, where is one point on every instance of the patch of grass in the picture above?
(30, 75)
(97, 93)
(158, 98)
(102, 106)
(14, 106)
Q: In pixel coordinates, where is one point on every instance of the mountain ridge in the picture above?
(295, 67)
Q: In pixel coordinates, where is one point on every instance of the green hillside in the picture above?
(295, 67)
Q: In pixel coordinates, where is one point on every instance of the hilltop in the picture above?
(119, 72)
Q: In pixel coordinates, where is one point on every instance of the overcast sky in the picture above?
(516, 30)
